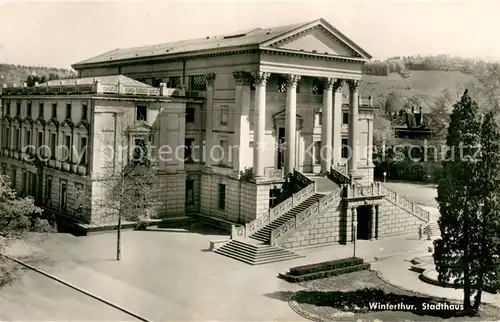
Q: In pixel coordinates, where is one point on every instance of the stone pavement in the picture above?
(170, 276)
(396, 271)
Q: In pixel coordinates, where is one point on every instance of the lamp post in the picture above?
(354, 233)
(385, 174)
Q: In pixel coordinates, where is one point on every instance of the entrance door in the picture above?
(364, 218)
(281, 147)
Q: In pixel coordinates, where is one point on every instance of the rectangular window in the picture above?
(8, 108)
(317, 87)
(18, 108)
(174, 82)
(28, 109)
(67, 145)
(141, 113)
(84, 111)
(54, 110)
(17, 139)
(224, 151)
(83, 151)
(7, 138)
(40, 110)
(48, 190)
(190, 114)
(188, 150)
(64, 195)
(24, 187)
(189, 192)
(345, 118)
(53, 143)
(317, 152)
(197, 83)
(13, 178)
(345, 149)
(39, 142)
(224, 113)
(27, 140)
(68, 111)
(222, 196)
(140, 151)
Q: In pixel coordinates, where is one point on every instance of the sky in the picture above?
(60, 33)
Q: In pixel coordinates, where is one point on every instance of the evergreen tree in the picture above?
(459, 202)
(486, 266)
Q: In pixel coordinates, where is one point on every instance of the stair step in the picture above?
(258, 250)
(255, 257)
(258, 262)
(242, 252)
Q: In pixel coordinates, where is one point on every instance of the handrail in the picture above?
(238, 232)
(389, 195)
(288, 227)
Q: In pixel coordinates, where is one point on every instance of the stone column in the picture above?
(369, 152)
(353, 126)
(374, 222)
(337, 122)
(209, 123)
(259, 123)
(326, 129)
(352, 226)
(241, 124)
(291, 122)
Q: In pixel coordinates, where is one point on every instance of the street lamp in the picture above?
(385, 174)
(355, 226)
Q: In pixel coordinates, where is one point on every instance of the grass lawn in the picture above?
(420, 193)
(349, 297)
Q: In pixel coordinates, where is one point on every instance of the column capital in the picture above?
(210, 78)
(353, 84)
(292, 80)
(261, 77)
(242, 78)
(332, 83)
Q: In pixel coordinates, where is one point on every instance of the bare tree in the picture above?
(127, 185)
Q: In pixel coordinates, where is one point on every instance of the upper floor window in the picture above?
(222, 196)
(174, 82)
(157, 82)
(18, 109)
(317, 152)
(8, 108)
(224, 115)
(283, 84)
(68, 111)
(317, 86)
(54, 110)
(345, 149)
(85, 111)
(345, 118)
(40, 110)
(141, 113)
(83, 149)
(53, 143)
(140, 151)
(190, 113)
(188, 150)
(197, 82)
(28, 109)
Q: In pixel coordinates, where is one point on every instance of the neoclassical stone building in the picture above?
(290, 135)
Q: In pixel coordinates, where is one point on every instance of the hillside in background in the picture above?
(18, 74)
(428, 84)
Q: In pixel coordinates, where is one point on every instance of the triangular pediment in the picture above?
(140, 127)
(282, 114)
(318, 37)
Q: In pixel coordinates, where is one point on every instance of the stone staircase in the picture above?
(257, 242)
(264, 234)
(255, 253)
(431, 228)
(323, 184)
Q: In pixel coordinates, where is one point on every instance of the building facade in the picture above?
(259, 114)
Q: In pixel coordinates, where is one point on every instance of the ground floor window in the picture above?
(189, 192)
(64, 196)
(317, 152)
(222, 196)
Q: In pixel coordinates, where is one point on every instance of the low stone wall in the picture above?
(395, 221)
(322, 230)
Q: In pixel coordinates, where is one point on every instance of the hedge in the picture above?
(325, 266)
(324, 274)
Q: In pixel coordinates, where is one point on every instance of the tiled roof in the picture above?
(235, 39)
(105, 80)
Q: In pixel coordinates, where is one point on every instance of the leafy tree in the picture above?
(458, 198)
(33, 79)
(439, 116)
(128, 187)
(18, 217)
(394, 102)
